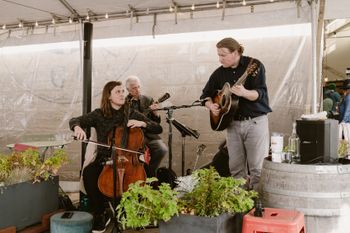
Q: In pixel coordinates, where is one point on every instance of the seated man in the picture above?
(145, 105)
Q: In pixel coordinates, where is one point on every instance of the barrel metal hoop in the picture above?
(307, 194)
(319, 212)
(306, 169)
(343, 169)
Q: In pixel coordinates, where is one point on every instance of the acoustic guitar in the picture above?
(228, 102)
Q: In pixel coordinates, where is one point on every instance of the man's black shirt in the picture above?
(246, 108)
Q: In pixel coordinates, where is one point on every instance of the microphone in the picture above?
(164, 97)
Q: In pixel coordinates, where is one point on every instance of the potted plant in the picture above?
(215, 204)
(142, 205)
(26, 182)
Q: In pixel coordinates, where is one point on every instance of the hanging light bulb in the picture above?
(87, 16)
(20, 25)
(70, 20)
(217, 4)
(36, 24)
(147, 11)
(272, 0)
(53, 21)
(192, 7)
(106, 16)
(171, 9)
(244, 3)
(4, 26)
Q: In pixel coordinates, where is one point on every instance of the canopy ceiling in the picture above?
(12, 12)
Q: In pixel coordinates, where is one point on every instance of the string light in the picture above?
(147, 11)
(192, 7)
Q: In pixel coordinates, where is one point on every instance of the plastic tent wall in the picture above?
(42, 83)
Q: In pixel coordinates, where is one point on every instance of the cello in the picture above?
(128, 167)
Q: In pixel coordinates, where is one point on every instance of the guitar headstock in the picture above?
(253, 69)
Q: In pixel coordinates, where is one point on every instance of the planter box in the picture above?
(224, 223)
(24, 204)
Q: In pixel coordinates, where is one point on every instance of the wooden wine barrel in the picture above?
(321, 192)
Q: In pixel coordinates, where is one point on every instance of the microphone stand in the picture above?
(169, 117)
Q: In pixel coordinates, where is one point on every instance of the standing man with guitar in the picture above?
(146, 105)
(237, 97)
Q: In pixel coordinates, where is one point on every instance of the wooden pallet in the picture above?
(44, 226)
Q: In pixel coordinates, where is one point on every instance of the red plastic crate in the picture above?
(274, 221)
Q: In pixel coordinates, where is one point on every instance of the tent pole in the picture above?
(314, 56)
(87, 82)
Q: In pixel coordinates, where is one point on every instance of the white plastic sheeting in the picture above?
(42, 84)
(42, 89)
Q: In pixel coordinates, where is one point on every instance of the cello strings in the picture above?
(107, 146)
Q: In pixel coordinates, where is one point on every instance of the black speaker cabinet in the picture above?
(318, 140)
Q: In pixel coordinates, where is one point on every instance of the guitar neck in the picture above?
(242, 79)
(251, 68)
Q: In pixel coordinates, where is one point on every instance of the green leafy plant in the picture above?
(27, 166)
(214, 195)
(211, 196)
(51, 165)
(343, 148)
(4, 168)
(142, 205)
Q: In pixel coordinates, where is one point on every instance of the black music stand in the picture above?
(170, 119)
(185, 131)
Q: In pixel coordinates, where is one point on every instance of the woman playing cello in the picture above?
(111, 114)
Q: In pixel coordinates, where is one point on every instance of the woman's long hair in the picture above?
(106, 106)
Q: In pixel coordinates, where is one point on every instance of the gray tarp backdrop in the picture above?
(42, 83)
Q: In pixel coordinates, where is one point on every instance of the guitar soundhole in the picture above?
(223, 100)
